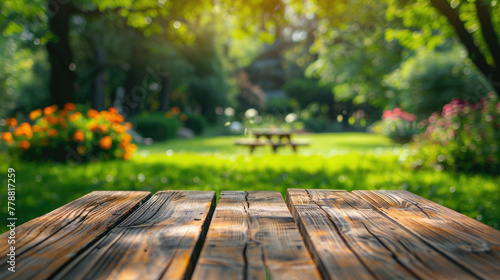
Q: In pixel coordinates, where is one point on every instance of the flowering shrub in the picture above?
(397, 124)
(69, 135)
(463, 137)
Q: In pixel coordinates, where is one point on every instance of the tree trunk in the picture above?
(165, 94)
(491, 72)
(98, 96)
(62, 77)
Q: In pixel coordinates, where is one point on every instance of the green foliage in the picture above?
(279, 106)
(425, 26)
(307, 91)
(353, 55)
(428, 80)
(155, 126)
(315, 125)
(464, 137)
(398, 125)
(196, 123)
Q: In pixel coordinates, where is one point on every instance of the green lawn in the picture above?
(338, 161)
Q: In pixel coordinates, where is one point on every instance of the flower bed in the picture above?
(69, 135)
(463, 137)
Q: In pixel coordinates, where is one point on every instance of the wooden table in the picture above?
(330, 234)
(274, 139)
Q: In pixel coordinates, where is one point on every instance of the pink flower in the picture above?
(408, 117)
(387, 114)
(397, 111)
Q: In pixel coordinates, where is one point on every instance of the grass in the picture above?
(338, 161)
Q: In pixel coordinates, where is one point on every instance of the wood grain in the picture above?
(158, 241)
(45, 244)
(342, 245)
(253, 236)
(451, 234)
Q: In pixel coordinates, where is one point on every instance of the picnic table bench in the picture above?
(316, 234)
(284, 138)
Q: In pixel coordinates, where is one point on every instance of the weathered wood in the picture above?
(385, 248)
(45, 244)
(461, 221)
(342, 245)
(161, 240)
(452, 235)
(253, 236)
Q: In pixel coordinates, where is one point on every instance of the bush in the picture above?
(464, 137)
(428, 80)
(307, 91)
(278, 106)
(68, 135)
(157, 126)
(397, 124)
(196, 123)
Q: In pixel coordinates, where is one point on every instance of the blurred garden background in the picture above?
(151, 95)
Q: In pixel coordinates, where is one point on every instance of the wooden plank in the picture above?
(161, 240)
(45, 244)
(462, 222)
(444, 233)
(374, 239)
(342, 245)
(253, 236)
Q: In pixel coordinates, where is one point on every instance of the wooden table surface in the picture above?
(316, 234)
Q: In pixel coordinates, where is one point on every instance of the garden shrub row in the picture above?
(69, 134)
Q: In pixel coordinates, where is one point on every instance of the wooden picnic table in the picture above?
(274, 137)
(317, 234)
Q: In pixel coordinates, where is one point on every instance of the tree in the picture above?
(475, 23)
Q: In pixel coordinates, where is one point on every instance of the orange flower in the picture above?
(93, 114)
(53, 132)
(93, 126)
(113, 110)
(103, 128)
(105, 143)
(50, 110)
(175, 110)
(69, 106)
(125, 141)
(51, 119)
(61, 120)
(127, 156)
(118, 128)
(81, 149)
(184, 117)
(79, 136)
(63, 113)
(25, 124)
(107, 115)
(118, 119)
(130, 148)
(128, 125)
(168, 115)
(7, 137)
(76, 116)
(12, 122)
(24, 145)
(36, 128)
(35, 114)
(24, 129)
(127, 137)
